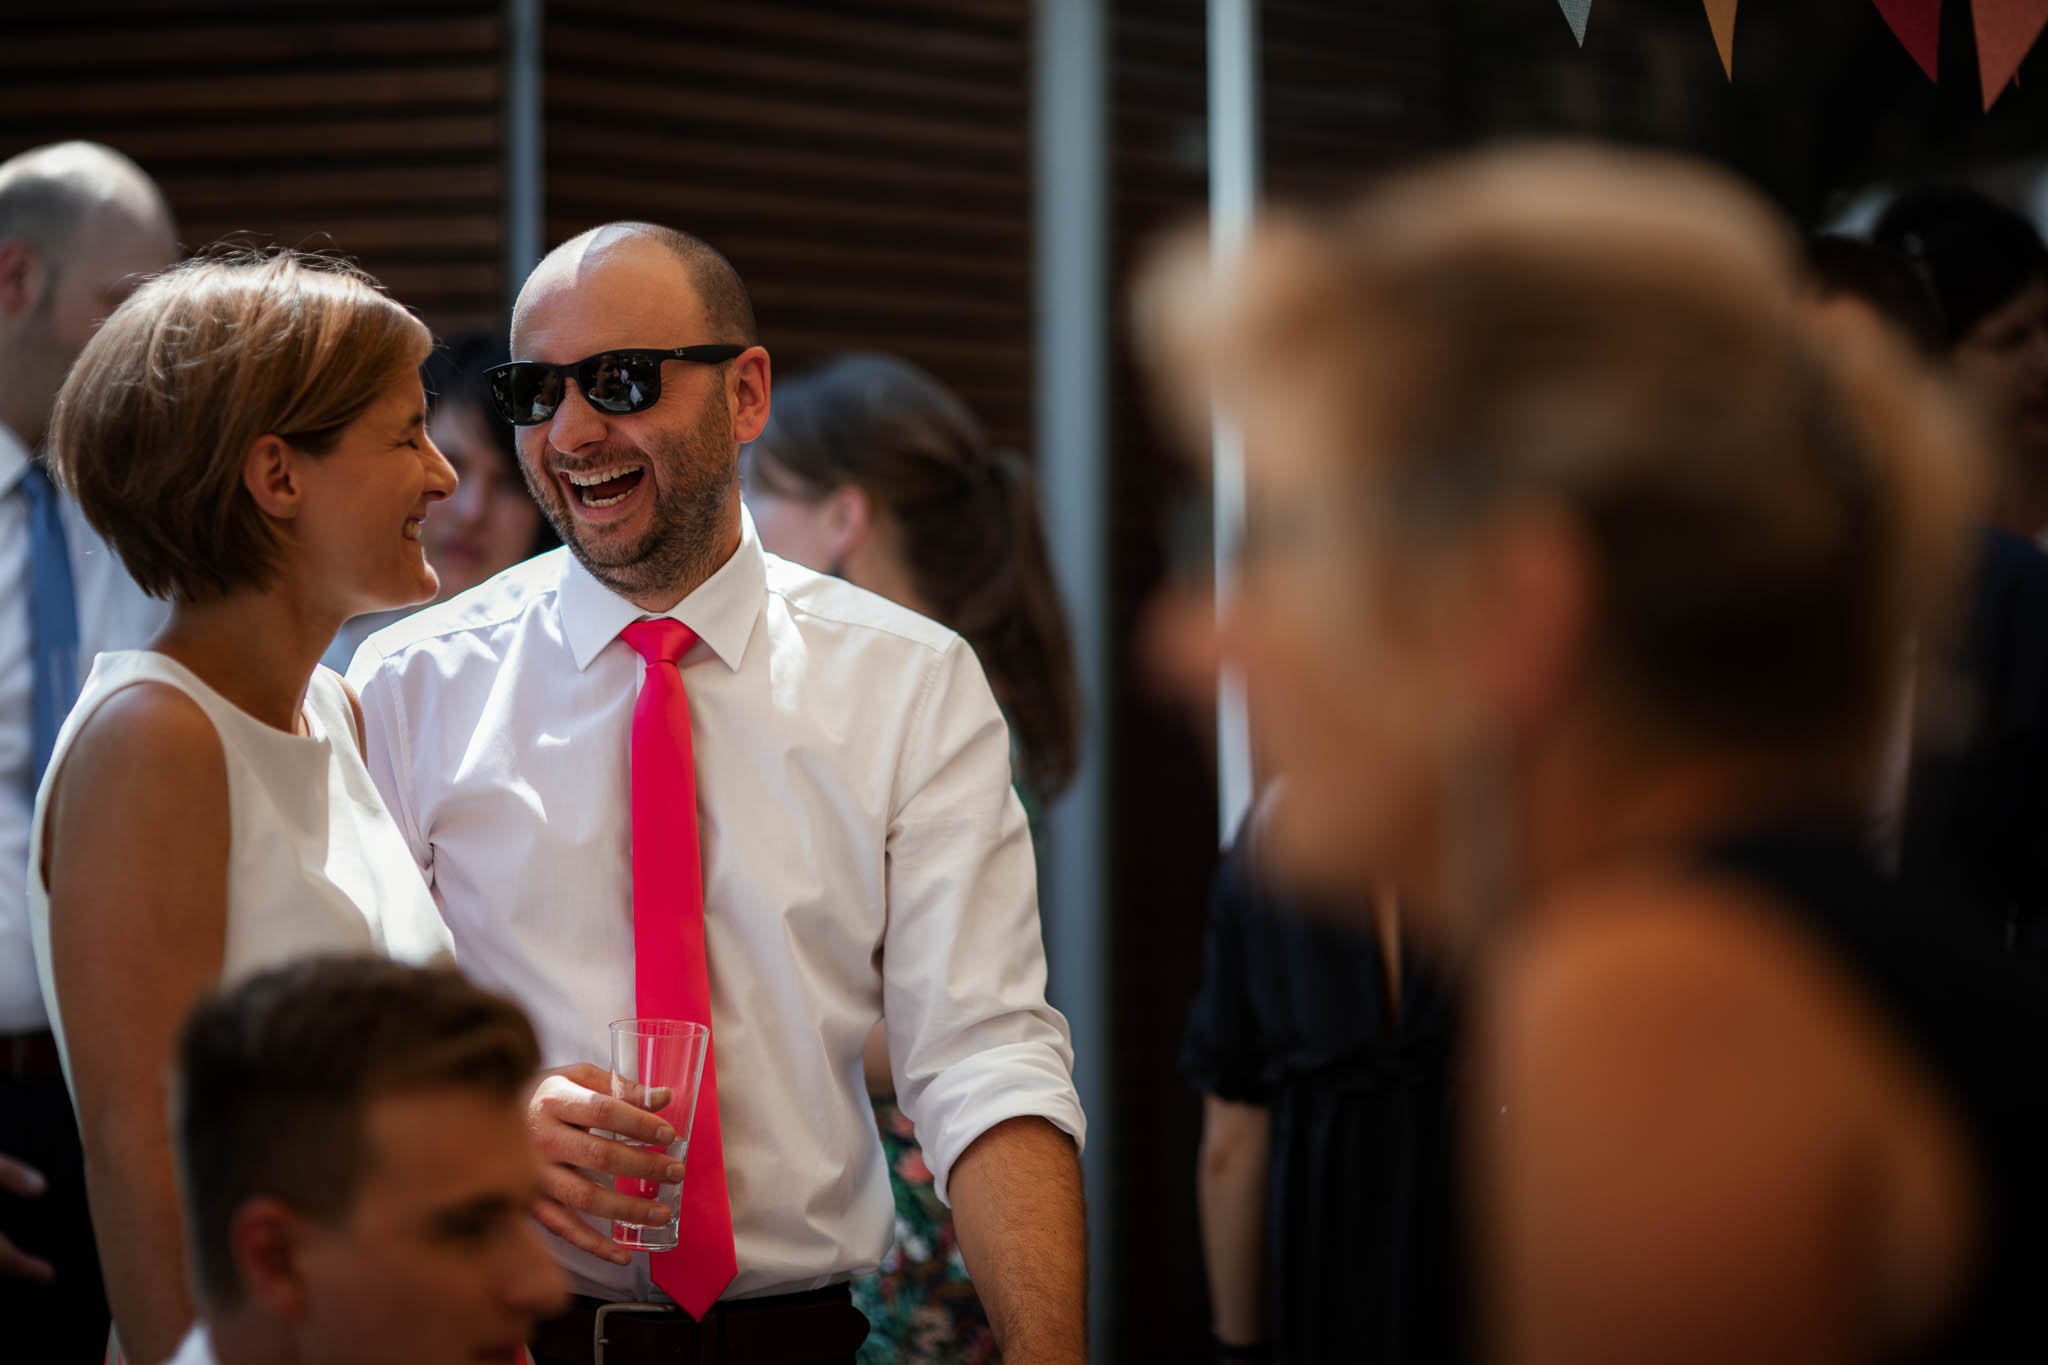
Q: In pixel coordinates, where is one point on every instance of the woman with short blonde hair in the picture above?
(246, 431)
(1579, 570)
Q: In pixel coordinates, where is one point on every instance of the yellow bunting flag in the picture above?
(2006, 29)
(1721, 14)
(1575, 12)
(1917, 26)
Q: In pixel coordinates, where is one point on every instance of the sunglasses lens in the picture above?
(526, 393)
(618, 382)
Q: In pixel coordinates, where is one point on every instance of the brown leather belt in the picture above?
(28, 1056)
(810, 1328)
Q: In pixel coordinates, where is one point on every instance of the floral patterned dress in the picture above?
(921, 1307)
(919, 1304)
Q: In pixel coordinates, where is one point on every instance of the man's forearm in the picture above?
(1017, 1208)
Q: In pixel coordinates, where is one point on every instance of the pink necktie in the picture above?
(671, 974)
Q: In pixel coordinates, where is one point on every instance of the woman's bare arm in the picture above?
(135, 856)
(1231, 1181)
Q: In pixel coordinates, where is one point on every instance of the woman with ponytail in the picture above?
(872, 470)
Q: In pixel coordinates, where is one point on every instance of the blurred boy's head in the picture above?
(356, 1167)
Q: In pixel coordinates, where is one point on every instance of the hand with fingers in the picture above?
(567, 1114)
(20, 1178)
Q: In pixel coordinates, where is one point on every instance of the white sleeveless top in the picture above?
(314, 862)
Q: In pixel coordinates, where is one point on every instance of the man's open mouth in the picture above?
(605, 487)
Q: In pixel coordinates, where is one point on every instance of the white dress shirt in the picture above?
(863, 852)
(112, 614)
(195, 1349)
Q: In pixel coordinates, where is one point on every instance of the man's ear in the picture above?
(270, 471)
(22, 278)
(749, 393)
(268, 1242)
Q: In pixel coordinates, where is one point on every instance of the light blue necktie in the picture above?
(52, 615)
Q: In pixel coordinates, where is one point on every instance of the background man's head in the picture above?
(648, 501)
(80, 226)
(1988, 267)
(356, 1167)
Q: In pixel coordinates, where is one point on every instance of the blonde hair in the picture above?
(1771, 512)
(154, 423)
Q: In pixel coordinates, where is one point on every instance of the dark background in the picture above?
(867, 166)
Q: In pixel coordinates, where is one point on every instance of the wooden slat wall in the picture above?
(865, 165)
(371, 128)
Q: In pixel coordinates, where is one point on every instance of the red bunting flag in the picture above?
(1917, 26)
(2006, 29)
(1721, 15)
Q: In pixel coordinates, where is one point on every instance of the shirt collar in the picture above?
(722, 610)
(14, 459)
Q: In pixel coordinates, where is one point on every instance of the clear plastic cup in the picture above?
(658, 1054)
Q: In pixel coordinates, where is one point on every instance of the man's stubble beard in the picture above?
(685, 545)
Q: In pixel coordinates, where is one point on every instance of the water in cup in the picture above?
(653, 1055)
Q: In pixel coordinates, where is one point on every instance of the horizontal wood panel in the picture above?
(370, 129)
(117, 96)
(141, 48)
(937, 37)
(865, 165)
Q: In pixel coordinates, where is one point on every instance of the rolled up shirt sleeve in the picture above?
(972, 1041)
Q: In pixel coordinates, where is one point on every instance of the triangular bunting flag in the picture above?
(2005, 30)
(1721, 14)
(1575, 12)
(1917, 26)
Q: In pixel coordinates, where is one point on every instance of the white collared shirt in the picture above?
(112, 614)
(195, 1349)
(863, 855)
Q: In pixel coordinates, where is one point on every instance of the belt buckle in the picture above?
(597, 1326)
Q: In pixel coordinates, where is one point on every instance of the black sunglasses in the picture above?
(527, 392)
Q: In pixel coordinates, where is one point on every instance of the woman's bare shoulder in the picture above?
(149, 748)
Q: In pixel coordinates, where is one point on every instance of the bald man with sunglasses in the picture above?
(660, 772)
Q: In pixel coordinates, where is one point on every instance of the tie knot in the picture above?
(661, 640)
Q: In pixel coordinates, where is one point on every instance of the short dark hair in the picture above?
(1881, 278)
(277, 1073)
(1974, 252)
(725, 297)
(726, 303)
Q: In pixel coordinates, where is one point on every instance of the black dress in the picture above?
(1293, 1015)
(1975, 837)
(1978, 1020)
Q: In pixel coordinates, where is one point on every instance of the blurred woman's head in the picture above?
(251, 417)
(492, 521)
(1988, 268)
(1553, 491)
(871, 469)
